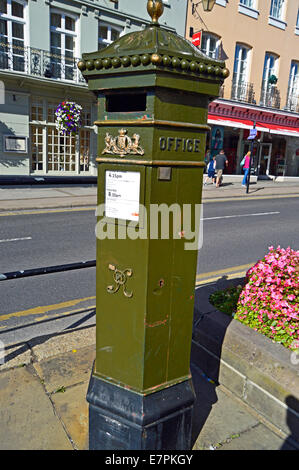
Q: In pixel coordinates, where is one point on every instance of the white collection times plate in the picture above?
(122, 195)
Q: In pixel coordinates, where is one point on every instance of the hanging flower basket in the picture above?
(273, 79)
(68, 118)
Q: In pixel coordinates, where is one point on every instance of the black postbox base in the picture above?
(120, 419)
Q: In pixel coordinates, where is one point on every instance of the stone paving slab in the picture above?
(257, 437)
(72, 408)
(48, 203)
(43, 406)
(15, 356)
(28, 420)
(65, 370)
(47, 346)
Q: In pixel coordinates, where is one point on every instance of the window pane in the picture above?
(3, 28)
(17, 30)
(103, 32)
(69, 43)
(18, 47)
(102, 45)
(17, 9)
(248, 3)
(51, 112)
(56, 20)
(114, 34)
(3, 6)
(209, 45)
(55, 40)
(69, 23)
(276, 8)
(212, 44)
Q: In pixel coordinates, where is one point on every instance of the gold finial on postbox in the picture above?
(155, 9)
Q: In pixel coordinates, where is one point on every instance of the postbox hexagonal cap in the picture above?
(152, 48)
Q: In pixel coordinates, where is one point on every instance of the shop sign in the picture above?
(252, 134)
(13, 143)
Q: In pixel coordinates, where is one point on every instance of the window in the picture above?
(270, 94)
(84, 149)
(241, 70)
(61, 151)
(36, 148)
(210, 45)
(63, 45)
(107, 34)
(293, 88)
(52, 151)
(276, 9)
(12, 35)
(248, 7)
(247, 3)
(270, 68)
(36, 110)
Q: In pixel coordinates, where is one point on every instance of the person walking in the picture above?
(246, 164)
(211, 171)
(221, 163)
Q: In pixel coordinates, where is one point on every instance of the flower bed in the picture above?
(269, 301)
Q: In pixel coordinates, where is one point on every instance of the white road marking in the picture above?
(240, 215)
(15, 239)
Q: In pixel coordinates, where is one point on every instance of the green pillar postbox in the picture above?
(153, 90)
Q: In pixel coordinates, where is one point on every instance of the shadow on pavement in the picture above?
(204, 366)
(12, 351)
(291, 443)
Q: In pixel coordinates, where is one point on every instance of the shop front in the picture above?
(30, 143)
(275, 148)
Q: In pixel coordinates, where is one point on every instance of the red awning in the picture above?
(247, 124)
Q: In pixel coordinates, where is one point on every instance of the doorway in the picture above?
(264, 161)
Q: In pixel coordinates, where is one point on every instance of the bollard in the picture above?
(153, 90)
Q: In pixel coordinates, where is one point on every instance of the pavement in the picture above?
(69, 196)
(43, 386)
(43, 382)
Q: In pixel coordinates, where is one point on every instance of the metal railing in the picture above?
(47, 270)
(270, 96)
(39, 63)
(243, 91)
(292, 103)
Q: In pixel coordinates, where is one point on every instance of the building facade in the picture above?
(259, 40)
(41, 42)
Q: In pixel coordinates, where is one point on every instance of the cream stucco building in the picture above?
(259, 41)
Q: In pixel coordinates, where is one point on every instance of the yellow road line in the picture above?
(213, 279)
(217, 274)
(44, 309)
(201, 279)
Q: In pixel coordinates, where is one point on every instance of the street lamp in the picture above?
(207, 5)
